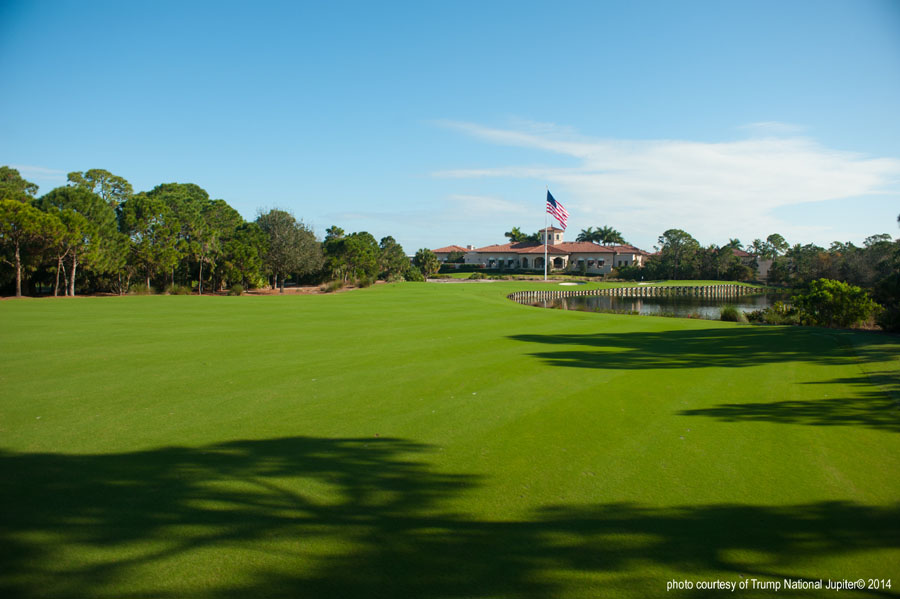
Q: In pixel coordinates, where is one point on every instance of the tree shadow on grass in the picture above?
(230, 493)
(873, 405)
(521, 558)
(387, 515)
(704, 348)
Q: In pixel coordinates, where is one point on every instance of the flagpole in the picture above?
(545, 235)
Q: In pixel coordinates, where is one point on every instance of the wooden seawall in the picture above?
(643, 291)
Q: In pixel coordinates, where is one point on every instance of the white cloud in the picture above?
(712, 190)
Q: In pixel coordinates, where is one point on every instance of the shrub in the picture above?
(781, 313)
(140, 289)
(236, 289)
(414, 275)
(365, 281)
(757, 316)
(477, 275)
(255, 281)
(732, 314)
(177, 290)
(446, 267)
(830, 303)
(627, 273)
(777, 313)
(332, 286)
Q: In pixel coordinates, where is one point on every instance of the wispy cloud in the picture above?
(543, 136)
(43, 176)
(712, 190)
(38, 171)
(487, 207)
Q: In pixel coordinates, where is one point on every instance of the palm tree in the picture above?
(516, 235)
(587, 235)
(609, 236)
(603, 235)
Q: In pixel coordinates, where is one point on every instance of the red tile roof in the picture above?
(585, 247)
(450, 248)
(539, 249)
(524, 247)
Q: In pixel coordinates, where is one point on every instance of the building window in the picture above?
(601, 262)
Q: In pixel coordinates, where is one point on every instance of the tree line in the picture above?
(863, 273)
(873, 268)
(680, 256)
(96, 234)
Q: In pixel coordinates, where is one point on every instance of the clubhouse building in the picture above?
(575, 256)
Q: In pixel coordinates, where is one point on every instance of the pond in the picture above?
(679, 306)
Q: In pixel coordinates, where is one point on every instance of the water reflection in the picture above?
(680, 306)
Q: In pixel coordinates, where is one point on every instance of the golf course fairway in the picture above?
(436, 441)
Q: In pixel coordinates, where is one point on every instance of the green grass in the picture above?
(434, 440)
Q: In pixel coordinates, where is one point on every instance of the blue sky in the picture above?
(443, 123)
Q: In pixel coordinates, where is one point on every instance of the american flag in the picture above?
(557, 210)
